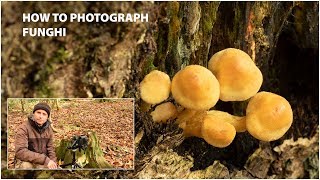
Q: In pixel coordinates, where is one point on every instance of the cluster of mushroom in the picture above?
(231, 76)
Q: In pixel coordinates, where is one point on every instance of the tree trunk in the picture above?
(111, 59)
(22, 102)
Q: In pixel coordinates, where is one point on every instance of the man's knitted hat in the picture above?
(42, 106)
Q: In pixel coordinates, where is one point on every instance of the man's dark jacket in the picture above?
(35, 144)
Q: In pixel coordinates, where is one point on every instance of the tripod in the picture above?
(78, 142)
(74, 164)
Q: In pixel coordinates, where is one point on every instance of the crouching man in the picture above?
(34, 141)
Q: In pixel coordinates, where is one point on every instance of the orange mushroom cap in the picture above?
(164, 112)
(237, 74)
(217, 132)
(155, 87)
(195, 87)
(268, 116)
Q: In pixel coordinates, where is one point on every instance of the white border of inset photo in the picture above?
(83, 99)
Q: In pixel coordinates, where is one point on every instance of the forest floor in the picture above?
(112, 121)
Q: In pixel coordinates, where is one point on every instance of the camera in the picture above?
(79, 142)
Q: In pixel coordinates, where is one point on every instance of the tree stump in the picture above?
(90, 157)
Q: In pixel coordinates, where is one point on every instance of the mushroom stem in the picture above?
(191, 122)
(144, 106)
(238, 122)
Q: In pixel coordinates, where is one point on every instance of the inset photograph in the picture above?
(70, 133)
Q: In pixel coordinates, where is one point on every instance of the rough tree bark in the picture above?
(110, 59)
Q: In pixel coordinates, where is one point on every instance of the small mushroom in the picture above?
(237, 74)
(195, 87)
(217, 132)
(268, 116)
(155, 87)
(239, 123)
(214, 131)
(164, 112)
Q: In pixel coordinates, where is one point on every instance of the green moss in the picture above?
(94, 153)
(207, 25)
(44, 174)
(61, 150)
(5, 173)
(237, 22)
(203, 37)
(311, 165)
(61, 56)
(174, 31)
(173, 35)
(149, 66)
(161, 49)
(209, 18)
(43, 89)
